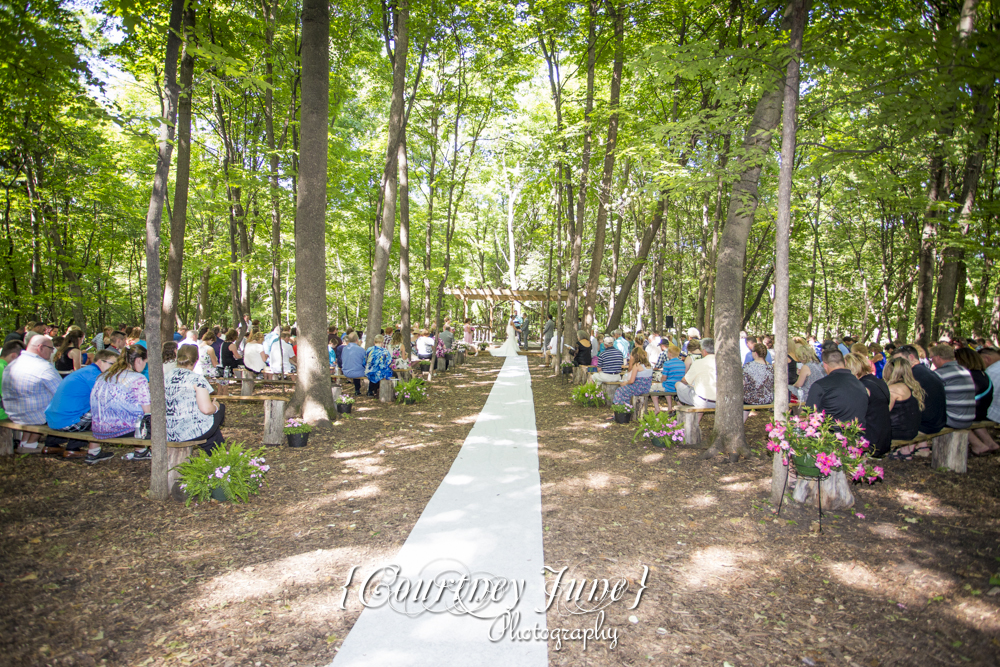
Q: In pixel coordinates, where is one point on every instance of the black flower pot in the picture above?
(567, 370)
(623, 417)
(344, 408)
(410, 401)
(298, 439)
(219, 494)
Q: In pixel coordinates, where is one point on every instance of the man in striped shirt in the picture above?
(959, 389)
(610, 362)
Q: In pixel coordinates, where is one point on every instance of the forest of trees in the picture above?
(592, 146)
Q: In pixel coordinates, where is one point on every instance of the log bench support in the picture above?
(692, 426)
(951, 451)
(387, 391)
(274, 416)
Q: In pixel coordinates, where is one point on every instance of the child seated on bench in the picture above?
(671, 369)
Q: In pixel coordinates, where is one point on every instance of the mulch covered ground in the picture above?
(92, 572)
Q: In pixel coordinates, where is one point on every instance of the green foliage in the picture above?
(658, 425)
(624, 408)
(294, 425)
(588, 395)
(238, 472)
(414, 390)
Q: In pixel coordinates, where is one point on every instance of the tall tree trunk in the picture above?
(429, 233)
(404, 242)
(730, 437)
(610, 153)
(782, 237)
(572, 306)
(178, 213)
(647, 241)
(159, 488)
(312, 389)
(400, 17)
(270, 16)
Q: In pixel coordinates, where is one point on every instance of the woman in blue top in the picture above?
(378, 365)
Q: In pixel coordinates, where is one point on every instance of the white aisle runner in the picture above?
(484, 522)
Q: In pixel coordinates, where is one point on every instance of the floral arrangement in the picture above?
(623, 408)
(295, 425)
(588, 395)
(440, 350)
(238, 472)
(483, 345)
(343, 400)
(825, 442)
(566, 364)
(658, 425)
(412, 390)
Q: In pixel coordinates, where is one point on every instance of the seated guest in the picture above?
(877, 422)
(697, 387)
(932, 418)
(12, 349)
(254, 357)
(70, 407)
(168, 351)
(68, 357)
(190, 338)
(906, 399)
(758, 379)
(610, 362)
(809, 370)
(980, 441)
(638, 379)
(671, 370)
(353, 359)
(861, 350)
(878, 358)
(400, 359)
(120, 398)
(750, 342)
(207, 361)
(424, 345)
(991, 359)
(621, 343)
(29, 383)
(281, 356)
(192, 414)
(447, 337)
(231, 356)
(959, 389)
(694, 353)
(840, 395)
(378, 365)
(583, 356)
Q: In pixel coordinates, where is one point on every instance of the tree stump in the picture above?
(609, 393)
(579, 375)
(175, 457)
(460, 357)
(951, 451)
(6, 442)
(274, 423)
(247, 388)
(441, 363)
(336, 389)
(386, 391)
(638, 406)
(692, 428)
(836, 492)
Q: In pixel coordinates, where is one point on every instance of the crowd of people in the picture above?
(49, 380)
(895, 393)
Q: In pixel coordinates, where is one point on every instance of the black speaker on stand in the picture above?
(669, 324)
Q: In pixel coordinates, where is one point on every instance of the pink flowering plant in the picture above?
(294, 425)
(239, 472)
(658, 425)
(826, 443)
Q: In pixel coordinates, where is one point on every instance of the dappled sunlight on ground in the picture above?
(924, 503)
(718, 565)
(702, 501)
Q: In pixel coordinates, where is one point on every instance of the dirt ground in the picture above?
(92, 572)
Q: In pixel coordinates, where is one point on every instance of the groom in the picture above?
(517, 327)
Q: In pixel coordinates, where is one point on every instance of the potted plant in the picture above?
(588, 395)
(411, 391)
(232, 474)
(567, 367)
(344, 404)
(297, 432)
(818, 445)
(659, 428)
(623, 413)
(483, 346)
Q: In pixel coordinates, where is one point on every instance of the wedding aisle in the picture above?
(472, 566)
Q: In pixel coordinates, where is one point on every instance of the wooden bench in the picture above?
(949, 447)
(692, 425)
(177, 452)
(274, 415)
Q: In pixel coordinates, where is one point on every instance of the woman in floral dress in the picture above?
(758, 380)
(378, 365)
(637, 380)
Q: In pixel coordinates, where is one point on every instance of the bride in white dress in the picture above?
(510, 346)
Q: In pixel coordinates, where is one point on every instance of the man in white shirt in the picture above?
(697, 387)
(281, 356)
